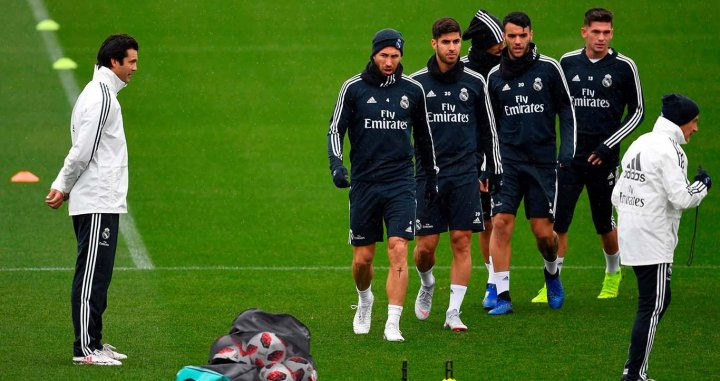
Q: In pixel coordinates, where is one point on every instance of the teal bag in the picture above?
(196, 373)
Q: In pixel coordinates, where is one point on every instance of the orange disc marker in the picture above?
(24, 177)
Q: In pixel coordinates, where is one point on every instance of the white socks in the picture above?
(489, 267)
(612, 262)
(502, 281)
(394, 313)
(560, 261)
(427, 279)
(364, 296)
(552, 267)
(457, 293)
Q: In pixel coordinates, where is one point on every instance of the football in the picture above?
(301, 369)
(275, 372)
(227, 350)
(264, 349)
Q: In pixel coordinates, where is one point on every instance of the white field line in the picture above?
(306, 268)
(133, 239)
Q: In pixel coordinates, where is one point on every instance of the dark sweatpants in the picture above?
(653, 301)
(97, 238)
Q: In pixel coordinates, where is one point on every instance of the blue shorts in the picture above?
(600, 181)
(456, 208)
(485, 204)
(371, 204)
(534, 184)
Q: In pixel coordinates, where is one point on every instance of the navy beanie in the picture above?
(385, 38)
(485, 30)
(679, 109)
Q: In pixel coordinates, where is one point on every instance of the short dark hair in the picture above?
(520, 19)
(115, 46)
(445, 25)
(598, 14)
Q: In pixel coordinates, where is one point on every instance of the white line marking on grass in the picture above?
(301, 268)
(133, 240)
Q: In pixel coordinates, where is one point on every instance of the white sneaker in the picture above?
(452, 321)
(392, 332)
(423, 302)
(363, 315)
(109, 351)
(95, 358)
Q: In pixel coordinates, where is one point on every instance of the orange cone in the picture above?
(24, 177)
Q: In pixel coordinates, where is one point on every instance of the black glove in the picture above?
(340, 177)
(703, 177)
(431, 190)
(604, 152)
(494, 183)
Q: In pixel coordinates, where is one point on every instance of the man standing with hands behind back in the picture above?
(94, 178)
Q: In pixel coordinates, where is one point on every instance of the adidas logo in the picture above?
(576, 78)
(371, 100)
(477, 220)
(430, 94)
(409, 229)
(635, 163)
(506, 87)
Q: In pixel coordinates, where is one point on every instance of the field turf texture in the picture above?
(226, 122)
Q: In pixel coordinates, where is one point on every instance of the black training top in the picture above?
(380, 113)
(601, 91)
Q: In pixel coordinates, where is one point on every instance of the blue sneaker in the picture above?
(490, 300)
(503, 307)
(555, 293)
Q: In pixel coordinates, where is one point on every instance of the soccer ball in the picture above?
(275, 372)
(265, 348)
(227, 350)
(301, 369)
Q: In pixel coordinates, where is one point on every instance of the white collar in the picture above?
(106, 76)
(665, 126)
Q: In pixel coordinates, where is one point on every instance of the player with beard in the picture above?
(528, 91)
(381, 109)
(458, 112)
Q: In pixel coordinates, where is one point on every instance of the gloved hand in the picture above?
(431, 190)
(495, 183)
(703, 177)
(340, 177)
(600, 154)
(484, 175)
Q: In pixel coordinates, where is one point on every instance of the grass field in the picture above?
(226, 122)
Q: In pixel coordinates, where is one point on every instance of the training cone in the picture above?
(64, 64)
(47, 26)
(24, 177)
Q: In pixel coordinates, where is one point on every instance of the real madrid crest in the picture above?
(404, 102)
(607, 81)
(464, 94)
(106, 233)
(537, 85)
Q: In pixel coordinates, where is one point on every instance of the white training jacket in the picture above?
(650, 195)
(95, 171)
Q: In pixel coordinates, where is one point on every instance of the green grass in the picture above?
(226, 121)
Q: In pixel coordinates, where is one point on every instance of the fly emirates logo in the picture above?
(588, 100)
(523, 107)
(387, 122)
(448, 114)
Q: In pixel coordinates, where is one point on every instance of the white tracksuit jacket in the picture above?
(650, 195)
(95, 171)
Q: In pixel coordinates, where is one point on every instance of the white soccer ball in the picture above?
(229, 351)
(301, 368)
(265, 348)
(275, 372)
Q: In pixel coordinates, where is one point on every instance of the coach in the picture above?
(94, 177)
(650, 196)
